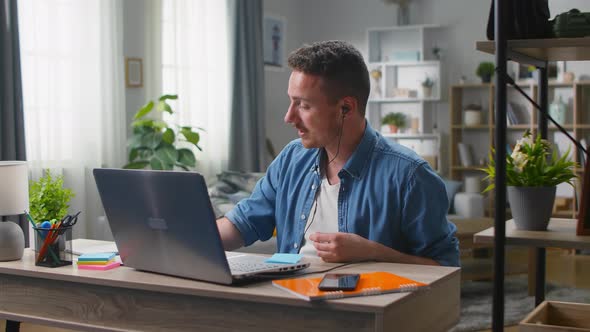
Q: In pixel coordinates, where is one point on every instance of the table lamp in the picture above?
(14, 200)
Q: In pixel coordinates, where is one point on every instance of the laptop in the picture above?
(163, 222)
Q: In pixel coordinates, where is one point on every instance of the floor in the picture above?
(563, 268)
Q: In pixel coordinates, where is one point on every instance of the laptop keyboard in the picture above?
(236, 266)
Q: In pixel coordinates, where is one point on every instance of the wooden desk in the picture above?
(126, 299)
(560, 233)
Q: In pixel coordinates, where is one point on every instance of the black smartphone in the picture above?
(339, 281)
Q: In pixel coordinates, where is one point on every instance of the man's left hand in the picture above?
(342, 247)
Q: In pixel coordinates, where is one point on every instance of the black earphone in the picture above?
(345, 109)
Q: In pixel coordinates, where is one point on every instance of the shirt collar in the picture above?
(361, 156)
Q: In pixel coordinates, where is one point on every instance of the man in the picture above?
(341, 190)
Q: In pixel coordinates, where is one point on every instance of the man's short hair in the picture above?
(339, 64)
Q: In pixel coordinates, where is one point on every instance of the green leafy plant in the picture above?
(48, 199)
(154, 142)
(428, 82)
(397, 119)
(533, 164)
(485, 70)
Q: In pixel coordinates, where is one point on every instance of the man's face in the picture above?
(315, 117)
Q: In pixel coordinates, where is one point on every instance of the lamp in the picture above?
(14, 200)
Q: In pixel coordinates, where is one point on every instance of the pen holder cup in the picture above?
(53, 247)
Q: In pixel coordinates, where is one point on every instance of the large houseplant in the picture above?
(155, 144)
(533, 171)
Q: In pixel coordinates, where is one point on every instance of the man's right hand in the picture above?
(230, 235)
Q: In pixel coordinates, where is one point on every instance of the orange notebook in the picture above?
(369, 284)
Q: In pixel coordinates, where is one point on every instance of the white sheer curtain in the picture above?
(195, 65)
(72, 63)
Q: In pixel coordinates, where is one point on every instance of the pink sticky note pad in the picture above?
(99, 267)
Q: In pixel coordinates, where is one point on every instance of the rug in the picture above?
(476, 302)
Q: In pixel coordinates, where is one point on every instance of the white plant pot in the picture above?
(472, 117)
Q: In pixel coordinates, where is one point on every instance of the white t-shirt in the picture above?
(326, 215)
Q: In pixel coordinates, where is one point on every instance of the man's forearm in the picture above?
(383, 253)
(230, 235)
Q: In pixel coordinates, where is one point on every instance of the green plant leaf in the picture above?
(134, 141)
(168, 136)
(156, 163)
(142, 130)
(167, 154)
(143, 123)
(164, 97)
(137, 165)
(186, 157)
(144, 110)
(191, 136)
(151, 140)
(164, 107)
(133, 153)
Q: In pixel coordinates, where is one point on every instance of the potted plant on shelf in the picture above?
(395, 121)
(533, 171)
(154, 143)
(427, 85)
(485, 71)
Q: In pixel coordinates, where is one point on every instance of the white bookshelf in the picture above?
(404, 56)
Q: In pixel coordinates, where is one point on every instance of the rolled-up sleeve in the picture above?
(254, 217)
(424, 224)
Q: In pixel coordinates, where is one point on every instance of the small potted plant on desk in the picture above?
(427, 85)
(48, 204)
(395, 121)
(533, 171)
(485, 71)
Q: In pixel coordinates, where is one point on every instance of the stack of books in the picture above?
(99, 261)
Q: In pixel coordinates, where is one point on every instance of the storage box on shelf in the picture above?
(552, 316)
(406, 77)
(470, 142)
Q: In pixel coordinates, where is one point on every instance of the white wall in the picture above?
(134, 35)
(277, 100)
(316, 20)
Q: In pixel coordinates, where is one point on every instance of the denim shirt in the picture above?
(387, 194)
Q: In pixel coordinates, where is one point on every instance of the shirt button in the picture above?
(295, 245)
(313, 186)
(302, 216)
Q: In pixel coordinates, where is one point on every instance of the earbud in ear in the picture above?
(345, 109)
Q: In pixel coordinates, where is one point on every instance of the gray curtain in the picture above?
(247, 128)
(12, 124)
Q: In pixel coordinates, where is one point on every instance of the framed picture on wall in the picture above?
(274, 28)
(133, 72)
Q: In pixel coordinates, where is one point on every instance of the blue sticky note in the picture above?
(106, 256)
(284, 258)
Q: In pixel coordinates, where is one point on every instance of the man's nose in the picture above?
(291, 114)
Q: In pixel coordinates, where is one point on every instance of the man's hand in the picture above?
(348, 247)
(341, 247)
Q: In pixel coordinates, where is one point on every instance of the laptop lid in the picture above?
(162, 221)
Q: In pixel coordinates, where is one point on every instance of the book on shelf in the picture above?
(465, 154)
(373, 283)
